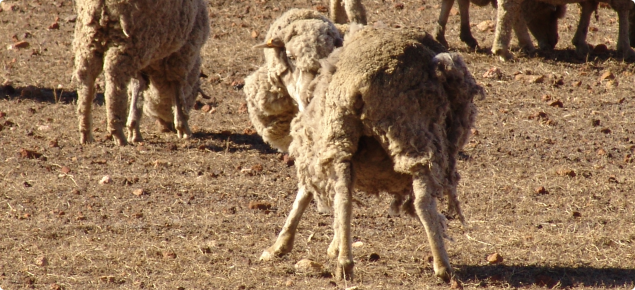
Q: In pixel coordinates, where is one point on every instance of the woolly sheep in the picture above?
(509, 13)
(161, 81)
(124, 38)
(352, 10)
(363, 118)
(541, 19)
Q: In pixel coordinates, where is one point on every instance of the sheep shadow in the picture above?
(226, 141)
(545, 276)
(44, 95)
(567, 55)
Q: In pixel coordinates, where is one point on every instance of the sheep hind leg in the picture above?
(507, 12)
(425, 192)
(180, 117)
(338, 14)
(439, 30)
(522, 33)
(135, 88)
(118, 72)
(355, 11)
(579, 39)
(284, 242)
(87, 70)
(342, 204)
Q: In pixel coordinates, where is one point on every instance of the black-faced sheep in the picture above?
(541, 19)
(385, 113)
(124, 38)
(509, 13)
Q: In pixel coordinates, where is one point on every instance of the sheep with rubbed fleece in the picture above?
(387, 112)
(509, 13)
(127, 39)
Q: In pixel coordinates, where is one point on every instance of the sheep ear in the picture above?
(271, 43)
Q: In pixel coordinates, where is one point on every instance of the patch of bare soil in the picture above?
(547, 178)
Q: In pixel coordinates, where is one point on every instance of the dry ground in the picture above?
(547, 179)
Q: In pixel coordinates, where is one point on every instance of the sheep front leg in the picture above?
(623, 43)
(579, 39)
(439, 30)
(508, 11)
(425, 190)
(522, 33)
(180, 117)
(466, 32)
(136, 87)
(284, 242)
(342, 204)
(87, 68)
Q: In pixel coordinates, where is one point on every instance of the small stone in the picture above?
(259, 205)
(308, 266)
(454, 284)
(42, 261)
(557, 103)
(358, 244)
(600, 49)
(20, 44)
(576, 83)
(255, 34)
(65, 170)
(566, 172)
(138, 192)
(169, 255)
(289, 282)
(288, 160)
(105, 180)
(607, 75)
(494, 258)
(206, 108)
(541, 190)
(493, 73)
(454, 11)
(53, 143)
(485, 25)
(322, 8)
(54, 25)
(546, 98)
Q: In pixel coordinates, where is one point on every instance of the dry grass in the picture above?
(193, 229)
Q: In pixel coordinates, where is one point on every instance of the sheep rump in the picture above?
(122, 38)
(387, 98)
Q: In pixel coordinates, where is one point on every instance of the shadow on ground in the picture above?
(560, 277)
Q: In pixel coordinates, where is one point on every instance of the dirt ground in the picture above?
(547, 179)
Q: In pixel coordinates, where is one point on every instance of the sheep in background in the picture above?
(160, 82)
(352, 11)
(509, 13)
(122, 38)
(391, 102)
(541, 19)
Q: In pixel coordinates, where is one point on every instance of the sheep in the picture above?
(160, 81)
(391, 117)
(508, 14)
(352, 10)
(541, 19)
(126, 39)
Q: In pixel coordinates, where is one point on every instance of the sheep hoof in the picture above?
(582, 50)
(471, 42)
(444, 274)
(86, 138)
(269, 254)
(503, 54)
(344, 271)
(628, 54)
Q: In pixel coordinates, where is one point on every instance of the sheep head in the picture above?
(295, 44)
